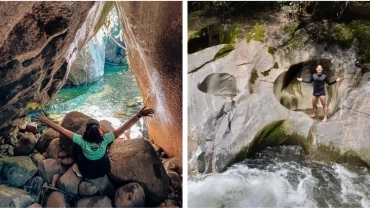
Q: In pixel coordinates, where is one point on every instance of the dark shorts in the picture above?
(92, 169)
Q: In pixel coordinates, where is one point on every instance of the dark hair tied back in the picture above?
(92, 134)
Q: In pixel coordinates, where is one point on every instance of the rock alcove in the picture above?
(297, 96)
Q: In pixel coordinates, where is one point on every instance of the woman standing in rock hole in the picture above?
(319, 80)
(92, 146)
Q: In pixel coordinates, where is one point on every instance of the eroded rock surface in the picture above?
(156, 59)
(271, 107)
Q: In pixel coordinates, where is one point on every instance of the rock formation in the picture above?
(270, 106)
(156, 60)
(40, 40)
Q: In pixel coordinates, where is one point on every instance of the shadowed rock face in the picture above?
(37, 45)
(153, 34)
(40, 40)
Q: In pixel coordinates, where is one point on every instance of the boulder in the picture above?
(16, 171)
(47, 168)
(35, 205)
(102, 185)
(136, 161)
(37, 158)
(25, 145)
(54, 148)
(45, 139)
(69, 182)
(14, 197)
(176, 181)
(174, 164)
(169, 203)
(56, 199)
(94, 201)
(75, 122)
(130, 195)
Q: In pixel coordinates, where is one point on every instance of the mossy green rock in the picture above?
(14, 197)
(16, 171)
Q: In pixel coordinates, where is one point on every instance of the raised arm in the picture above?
(301, 80)
(132, 121)
(333, 82)
(56, 127)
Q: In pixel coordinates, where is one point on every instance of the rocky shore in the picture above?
(36, 171)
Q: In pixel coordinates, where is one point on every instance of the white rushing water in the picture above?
(282, 177)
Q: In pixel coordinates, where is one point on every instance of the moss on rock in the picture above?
(257, 33)
(254, 76)
(276, 65)
(223, 52)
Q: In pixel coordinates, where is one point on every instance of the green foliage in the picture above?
(257, 33)
(276, 65)
(344, 34)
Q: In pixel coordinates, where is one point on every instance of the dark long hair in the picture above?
(92, 133)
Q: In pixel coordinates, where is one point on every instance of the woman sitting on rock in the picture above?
(92, 159)
(319, 80)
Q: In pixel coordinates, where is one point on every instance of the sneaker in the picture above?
(76, 170)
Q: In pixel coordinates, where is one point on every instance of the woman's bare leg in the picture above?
(314, 106)
(325, 107)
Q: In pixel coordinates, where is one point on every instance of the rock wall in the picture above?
(154, 43)
(270, 107)
(38, 42)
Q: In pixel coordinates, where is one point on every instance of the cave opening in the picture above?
(100, 83)
(297, 96)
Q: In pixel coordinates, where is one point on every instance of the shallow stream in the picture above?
(282, 177)
(103, 100)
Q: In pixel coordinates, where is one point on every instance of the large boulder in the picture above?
(94, 201)
(89, 64)
(45, 139)
(25, 145)
(156, 60)
(16, 171)
(69, 182)
(136, 161)
(13, 197)
(56, 199)
(49, 167)
(75, 122)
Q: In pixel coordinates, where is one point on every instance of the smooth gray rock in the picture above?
(17, 170)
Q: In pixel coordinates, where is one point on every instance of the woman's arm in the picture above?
(333, 82)
(56, 127)
(143, 112)
(301, 80)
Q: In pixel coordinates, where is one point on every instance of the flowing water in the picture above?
(104, 99)
(282, 177)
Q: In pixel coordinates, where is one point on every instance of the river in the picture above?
(282, 177)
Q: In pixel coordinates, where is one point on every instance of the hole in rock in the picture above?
(100, 83)
(297, 96)
(219, 84)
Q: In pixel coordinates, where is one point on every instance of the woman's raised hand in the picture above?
(146, 112)
(299, 79)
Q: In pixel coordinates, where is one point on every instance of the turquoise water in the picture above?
(104, 98)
